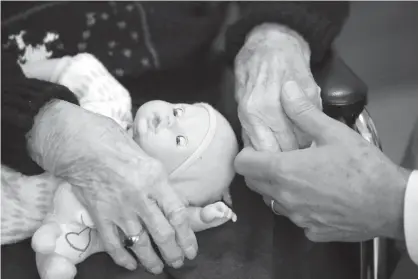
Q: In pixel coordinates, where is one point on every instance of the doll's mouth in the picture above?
(155, 122)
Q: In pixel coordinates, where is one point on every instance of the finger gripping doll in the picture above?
(197, 146)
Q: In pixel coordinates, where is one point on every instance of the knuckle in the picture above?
(111, 246)
(246, 106)
(318, 90)
(143, 241)
(297, 219)
(312, 92)
(178, 217)
(164, 235)
(311, 235)
(111, 242)
(286, 197)
(302, 108)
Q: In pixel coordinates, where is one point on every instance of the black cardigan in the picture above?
(133, 39)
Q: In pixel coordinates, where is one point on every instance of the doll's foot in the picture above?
(54, 266)
(45, 238)
(218, 211)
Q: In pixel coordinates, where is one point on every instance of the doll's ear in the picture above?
(226, 197)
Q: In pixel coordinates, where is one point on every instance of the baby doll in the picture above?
(194, 142)
(196, 145)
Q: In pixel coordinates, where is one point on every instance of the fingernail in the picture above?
(191, 253)
(131, 266)
(177, 264)
(157, 269)
(291, 90)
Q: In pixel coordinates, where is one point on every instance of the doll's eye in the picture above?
(177, 112)
(181, 141)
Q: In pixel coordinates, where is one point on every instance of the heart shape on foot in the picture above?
(76, 241)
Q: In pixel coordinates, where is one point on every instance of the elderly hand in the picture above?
(272, 55)
(344, 189)
(117, 182)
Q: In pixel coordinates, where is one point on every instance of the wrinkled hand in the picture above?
(272, 55)
(344, 189)
(116, 181)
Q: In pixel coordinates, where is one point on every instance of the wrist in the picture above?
(45, 136)
(46, 70)
(62, 65)
(278, 36)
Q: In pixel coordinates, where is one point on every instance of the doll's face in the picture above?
(170, 132)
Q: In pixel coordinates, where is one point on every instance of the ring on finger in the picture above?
(272, 207)
(130, 241)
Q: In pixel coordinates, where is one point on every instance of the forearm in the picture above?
(22, 98)
(317, 22)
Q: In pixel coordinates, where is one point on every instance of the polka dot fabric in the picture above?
(112, 31)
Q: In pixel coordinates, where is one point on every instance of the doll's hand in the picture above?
(217, 212)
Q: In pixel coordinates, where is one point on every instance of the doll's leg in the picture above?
(210, 216)
(45, 238)
(54, 266)
(25, 201)
(216, 213)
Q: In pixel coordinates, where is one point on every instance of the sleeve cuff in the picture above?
(411, 216)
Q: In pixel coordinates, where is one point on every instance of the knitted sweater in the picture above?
(134, 39)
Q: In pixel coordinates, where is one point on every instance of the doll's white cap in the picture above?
(204, 144)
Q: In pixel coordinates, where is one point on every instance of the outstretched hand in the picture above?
(344, 189)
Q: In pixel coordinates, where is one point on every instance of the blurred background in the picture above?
(380, 43)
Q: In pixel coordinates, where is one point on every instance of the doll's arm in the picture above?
(210, 216)
(47, 70)
(95, 88)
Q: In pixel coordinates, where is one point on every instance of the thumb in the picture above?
(304, 113)
(256, 164)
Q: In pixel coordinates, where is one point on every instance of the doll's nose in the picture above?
(162, 122)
